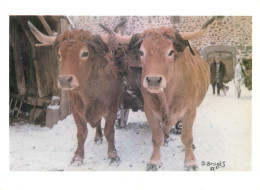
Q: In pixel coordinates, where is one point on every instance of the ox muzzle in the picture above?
(67, 82)
(154, 83)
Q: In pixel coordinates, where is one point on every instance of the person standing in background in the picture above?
(238, 76)
(217, 73)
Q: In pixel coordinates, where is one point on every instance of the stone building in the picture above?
(227, 37)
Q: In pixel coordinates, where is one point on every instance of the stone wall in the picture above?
(233, 31)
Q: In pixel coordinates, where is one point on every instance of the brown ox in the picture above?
(175, 80)
(94, 88)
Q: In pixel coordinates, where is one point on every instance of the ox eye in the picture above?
(141, 53)
(58, 56)
(171, 53)
(85, 54)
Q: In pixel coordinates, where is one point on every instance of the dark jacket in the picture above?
(222, 72)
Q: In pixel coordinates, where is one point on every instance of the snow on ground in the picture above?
(222, 136)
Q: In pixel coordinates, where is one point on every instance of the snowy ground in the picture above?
(222, 135)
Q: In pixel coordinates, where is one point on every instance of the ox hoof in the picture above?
(114, 161)
(76, 161)
(191, 168)
(98, 140)
(153, 167)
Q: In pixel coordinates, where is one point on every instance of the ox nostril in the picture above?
(148, 80)
(70, 79)
(160, 79)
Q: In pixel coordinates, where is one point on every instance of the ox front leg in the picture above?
(99, 135)
(187, 140)
(82, 132)
(157, 139)
(109, 133)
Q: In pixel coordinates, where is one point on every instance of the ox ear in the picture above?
(97, 43)
(135, 41)
(181, 44)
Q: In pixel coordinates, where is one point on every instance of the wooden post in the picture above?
(18, 62)
(38, 72)
(22, 22)
(64, 98)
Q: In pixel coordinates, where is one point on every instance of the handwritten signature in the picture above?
(214, 165)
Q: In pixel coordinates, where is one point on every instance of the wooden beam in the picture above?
(39, 79)
(25, 30)
(34, 106)
(42, 102)
(18, 62)
(57, 20)
(46, 25)
(32, 43)
(40, 76)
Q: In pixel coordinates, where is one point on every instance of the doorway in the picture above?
(227, 55)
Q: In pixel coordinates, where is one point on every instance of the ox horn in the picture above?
(116, 28)
(199, 33)
(107, 29)
(47, 40)
(120, 39)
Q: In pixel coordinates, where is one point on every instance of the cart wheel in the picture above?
(122, 117)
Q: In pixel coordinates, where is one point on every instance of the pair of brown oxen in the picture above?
(175, 80)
